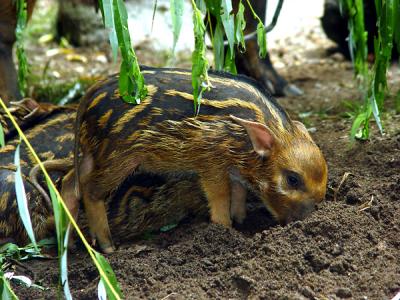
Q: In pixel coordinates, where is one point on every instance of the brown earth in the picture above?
(348, 248)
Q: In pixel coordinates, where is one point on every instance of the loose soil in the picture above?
(348, 248)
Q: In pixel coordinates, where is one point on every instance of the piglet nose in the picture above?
(301, 210)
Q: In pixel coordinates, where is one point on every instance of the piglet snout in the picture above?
(301, 210)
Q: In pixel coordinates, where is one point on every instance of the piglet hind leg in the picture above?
(95, 209)
(218, 194)
(71, 200)
(97, 220)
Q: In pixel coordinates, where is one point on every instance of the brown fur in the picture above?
(143, 203)
(241, 139)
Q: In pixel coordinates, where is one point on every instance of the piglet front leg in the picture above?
(217, 190)
(238, 201)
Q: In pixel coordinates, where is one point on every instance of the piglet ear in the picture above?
(259, 134)
(300, 126)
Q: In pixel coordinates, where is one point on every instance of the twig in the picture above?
(11, 168)
(267, 28)
(26, 268)
(169, 295)
(344, 178)
(367, 205)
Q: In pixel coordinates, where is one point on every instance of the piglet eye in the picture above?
(293, 179)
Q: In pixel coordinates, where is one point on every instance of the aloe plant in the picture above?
(372, 82)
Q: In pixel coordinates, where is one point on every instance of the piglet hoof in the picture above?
(292, 90)
(93, 241)
(222, 220)
(239, 217)
(107, 249)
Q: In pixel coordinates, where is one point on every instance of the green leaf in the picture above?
(228, 21)
(397, 102)
(240, 25)
(64, 266)
(132, 89)
(2, 139)
(176, 8)
(383, 52)
(360, 128)
(168, 227)
(375, 111)
(22, 17)
(12, 251)
(214, 7)
(62, 230)
(60, 219)
(357, 37)
(24, 280)
(121, 27)
(261, 40)
(261, 34)
(9, 249)
(101, 291)
(6, 293)
(218, 46)
(199, 62)
(110, 274)
(229, 65)
(108, 20)
(201, 5)
(21, 199)
(396, 26)
(115, 19)
(358, 52)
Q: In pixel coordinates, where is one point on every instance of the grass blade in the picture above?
(2, 139)
(360, 128)
(111, 276)
(21, 198)
(60, 218)
(101, 291)
(132, 87)
(64, 266)
(89, 249)
(62, 231)
(6, 293)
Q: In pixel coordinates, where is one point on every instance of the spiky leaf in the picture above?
(111, 277)
(21, 198)
(176, 8)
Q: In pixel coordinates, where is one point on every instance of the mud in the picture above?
(347, 249)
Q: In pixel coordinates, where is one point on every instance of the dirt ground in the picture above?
(348, 248)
